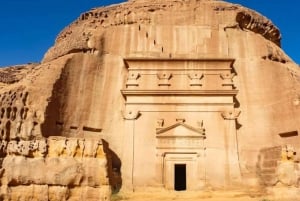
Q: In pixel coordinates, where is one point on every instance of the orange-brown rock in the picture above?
(174, 94)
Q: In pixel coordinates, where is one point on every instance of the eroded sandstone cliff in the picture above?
(121, 72)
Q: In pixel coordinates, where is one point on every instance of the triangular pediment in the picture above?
(180, 130)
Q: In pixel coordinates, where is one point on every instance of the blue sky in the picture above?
(29, 27)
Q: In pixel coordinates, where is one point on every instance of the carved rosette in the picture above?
(231, 114)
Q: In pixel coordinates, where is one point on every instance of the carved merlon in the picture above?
(227, 79)
(132, 79)
(195, 78)
(163, 79)
(231, 114)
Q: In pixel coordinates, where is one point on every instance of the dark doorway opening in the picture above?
(180, 177)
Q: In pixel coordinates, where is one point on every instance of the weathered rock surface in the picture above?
(169, 85)
(54, 169)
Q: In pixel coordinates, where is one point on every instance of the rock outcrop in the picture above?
(54, 169)
(131, 94)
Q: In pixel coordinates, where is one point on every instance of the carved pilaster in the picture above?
(231, 114)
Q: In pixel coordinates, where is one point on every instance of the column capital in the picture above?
(131, 114)
(230, 114)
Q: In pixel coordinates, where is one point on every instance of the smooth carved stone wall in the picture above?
(54, 169)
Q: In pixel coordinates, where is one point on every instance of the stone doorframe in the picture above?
(195, 171)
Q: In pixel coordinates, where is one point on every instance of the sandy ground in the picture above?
(149, 195)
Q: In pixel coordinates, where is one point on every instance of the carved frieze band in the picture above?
(230, 114)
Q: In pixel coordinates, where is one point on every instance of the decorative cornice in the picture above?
(179, 92)
(137, 63)
(211, 59)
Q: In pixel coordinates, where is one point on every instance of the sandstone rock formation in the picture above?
(136, 94)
